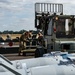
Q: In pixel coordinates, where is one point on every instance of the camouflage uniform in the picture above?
(40, 39)
(22, 42)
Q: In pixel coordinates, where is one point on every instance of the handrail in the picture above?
(10, 69)
(5, 59)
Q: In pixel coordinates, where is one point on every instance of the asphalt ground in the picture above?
(14, 56)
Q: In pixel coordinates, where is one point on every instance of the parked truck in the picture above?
(58, 29)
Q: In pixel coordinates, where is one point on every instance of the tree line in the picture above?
(17, 32)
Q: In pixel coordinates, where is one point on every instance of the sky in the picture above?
(16, 15)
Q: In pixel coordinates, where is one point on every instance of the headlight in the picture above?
(2, 43)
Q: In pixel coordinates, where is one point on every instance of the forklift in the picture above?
(58, 29)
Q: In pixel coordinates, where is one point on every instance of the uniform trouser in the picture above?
(22, 46)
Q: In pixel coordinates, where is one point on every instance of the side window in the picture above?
(70, 26)
(60, 25)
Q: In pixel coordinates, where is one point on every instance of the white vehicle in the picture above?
(55, 64)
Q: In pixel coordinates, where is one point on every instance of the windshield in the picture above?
(64, 28)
